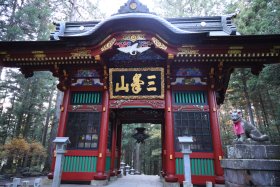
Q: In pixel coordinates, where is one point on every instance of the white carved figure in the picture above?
(132, 50)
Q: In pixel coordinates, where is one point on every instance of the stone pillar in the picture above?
(122, 168)
(169, 140)
(217, 146)
(127, 169)
(61, 143)
(113, 151)
(103, 139)
(185, 143)
(252, 165)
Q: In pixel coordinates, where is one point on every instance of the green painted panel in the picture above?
(80, 164)
(192, 166)
(94, 165)
(108, 163)
(78, 98)
(182, 168)
(71, 164)
(77, 164)
(65, 165)
(199, 166)
(190, 97)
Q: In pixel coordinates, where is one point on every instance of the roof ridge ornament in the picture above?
(133, 6)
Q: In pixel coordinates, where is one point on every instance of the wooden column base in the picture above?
(171, 178)
(100, 176)
(220, 180)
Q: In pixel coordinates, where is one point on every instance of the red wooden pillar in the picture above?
(62, 120)
(103, 139)
(169, 140)
(163, 150)
(63, 114)
(119, 143)
(217, 146)
(113, 151)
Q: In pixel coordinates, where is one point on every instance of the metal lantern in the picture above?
(140, 136)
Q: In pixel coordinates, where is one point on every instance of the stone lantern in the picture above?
(61, 143)
(185, 143)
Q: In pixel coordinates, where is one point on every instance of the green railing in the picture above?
(108, 163)
(79, 164)
(86, 98)
(190, 97)
(199, 166)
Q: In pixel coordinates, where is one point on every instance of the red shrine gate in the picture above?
(138, 67)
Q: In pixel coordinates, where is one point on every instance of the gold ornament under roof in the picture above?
(133, 6)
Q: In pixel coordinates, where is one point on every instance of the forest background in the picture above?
(29, 108)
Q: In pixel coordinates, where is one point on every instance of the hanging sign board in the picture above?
(136, 83)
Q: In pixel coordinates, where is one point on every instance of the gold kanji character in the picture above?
(136, 85)
(151, 83)
(124, 87)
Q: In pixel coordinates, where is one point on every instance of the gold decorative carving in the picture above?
(5, 54)
(236, 47)
(275, 49)
(158, 43)
(39, 54)
(154, 103)
(97, 57)
(188, 50)
(133, 37)
(170, 56)
(81, 52)
(234, 51)
(108, 45)
(133, 6)
(85, 107)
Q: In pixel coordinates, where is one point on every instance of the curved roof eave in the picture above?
(135, 22)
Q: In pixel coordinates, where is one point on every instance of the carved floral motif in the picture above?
(133, 37)
(108, 45)
(81, 52)
(159, 44)
(121, 103)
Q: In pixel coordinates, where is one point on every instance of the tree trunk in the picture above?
(18, 125)
(271, 105)
(27, 125)
(258, 115)
(59, 98)
(247, 98)
(45, 129)
(263, 110)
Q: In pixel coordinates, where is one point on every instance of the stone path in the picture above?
(125, 181)
(137, 181)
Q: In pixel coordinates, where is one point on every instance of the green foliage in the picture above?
(189, 8)
(25, 20)
(257, 16)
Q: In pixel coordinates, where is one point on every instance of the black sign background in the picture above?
(129, 73)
